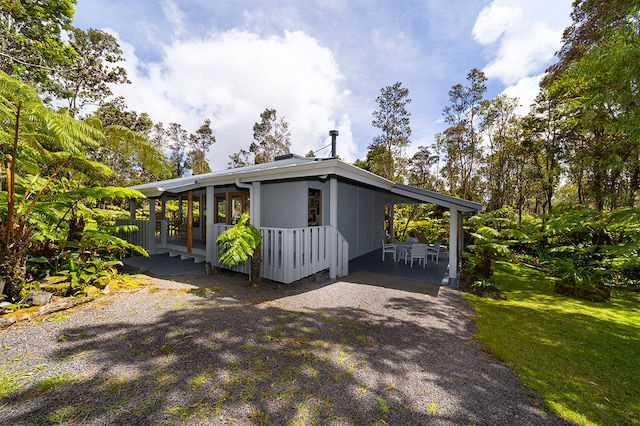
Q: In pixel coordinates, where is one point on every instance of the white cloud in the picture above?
(526, 90)
(174, 16)
(232, 77)
(519, 36)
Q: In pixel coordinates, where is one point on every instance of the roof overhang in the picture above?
(305, 168)
(406, 192)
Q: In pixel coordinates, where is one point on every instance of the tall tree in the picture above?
(200, 143)
(393, 120)
(32, 42)
(592, 23)
(92, 70)
(421, 169)
(504, 158)
(544, 135)
(38, 145)
(128, 148)
(176, 139)
(271, 137)
(462, 140)
(596, 86)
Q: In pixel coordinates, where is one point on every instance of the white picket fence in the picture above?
(287, 254)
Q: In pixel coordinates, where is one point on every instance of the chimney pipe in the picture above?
(333, 134)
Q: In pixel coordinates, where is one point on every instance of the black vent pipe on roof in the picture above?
(334, 135)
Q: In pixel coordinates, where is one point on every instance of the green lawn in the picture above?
(582, 357)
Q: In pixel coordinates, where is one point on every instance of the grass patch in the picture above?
(73, 356)
(53, 382)
(9, 382)
(581, 356)
(69, 414)
(382, 404)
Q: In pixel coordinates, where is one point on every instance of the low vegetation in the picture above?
(581, 356)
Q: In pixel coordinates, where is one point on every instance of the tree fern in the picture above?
(239, 243)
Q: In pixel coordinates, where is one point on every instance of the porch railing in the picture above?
(142, 236)
(287, 254)
(292, 254)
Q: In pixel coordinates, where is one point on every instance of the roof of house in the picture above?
(296, 167)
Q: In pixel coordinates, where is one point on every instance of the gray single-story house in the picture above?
(313, 213)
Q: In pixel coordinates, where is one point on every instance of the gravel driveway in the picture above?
(370, 350)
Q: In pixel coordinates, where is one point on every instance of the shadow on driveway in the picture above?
(340, 352)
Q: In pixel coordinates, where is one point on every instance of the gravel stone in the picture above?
(206, 349)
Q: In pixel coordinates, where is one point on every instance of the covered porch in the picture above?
(165, 265)
(433, 273)
(288, 254)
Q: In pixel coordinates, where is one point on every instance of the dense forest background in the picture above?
(559, 185)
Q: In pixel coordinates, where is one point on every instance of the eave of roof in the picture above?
(300, 167)
(444, 200)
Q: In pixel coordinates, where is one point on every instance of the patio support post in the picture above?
(152, 227)
(392, 208)
(190, 222)
(210, 212)
(133, 205)
(333, 221)
(453, 244)
(254, 206)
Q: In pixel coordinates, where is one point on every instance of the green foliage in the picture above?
(590, 252)
(39, 146)
(393, 121)
(425, 219)
(491, 235)
(45, 209)
(10, 307)
(580, 356)
(595, 88)
(238, 243)
(83, 268)
(271, 137)
(132, 155)
(32, 39)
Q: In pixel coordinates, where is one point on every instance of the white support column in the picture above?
(133, 205)
(255, 204)
(210, 209)
(152, 226)
(392, 209)
(164, 227)
(453, 243)
(333, 222)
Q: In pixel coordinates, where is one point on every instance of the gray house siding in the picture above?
(283, 204)
(360, 218)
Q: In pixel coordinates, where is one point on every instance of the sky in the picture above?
(321, 63)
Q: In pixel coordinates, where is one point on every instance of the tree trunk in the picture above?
(256, 266)
(13, 256)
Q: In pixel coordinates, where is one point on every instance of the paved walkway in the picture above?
(162, 264)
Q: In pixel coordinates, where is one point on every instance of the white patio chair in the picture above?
(419, 253)
(404, 252)
(434, 251)
(388, 248)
